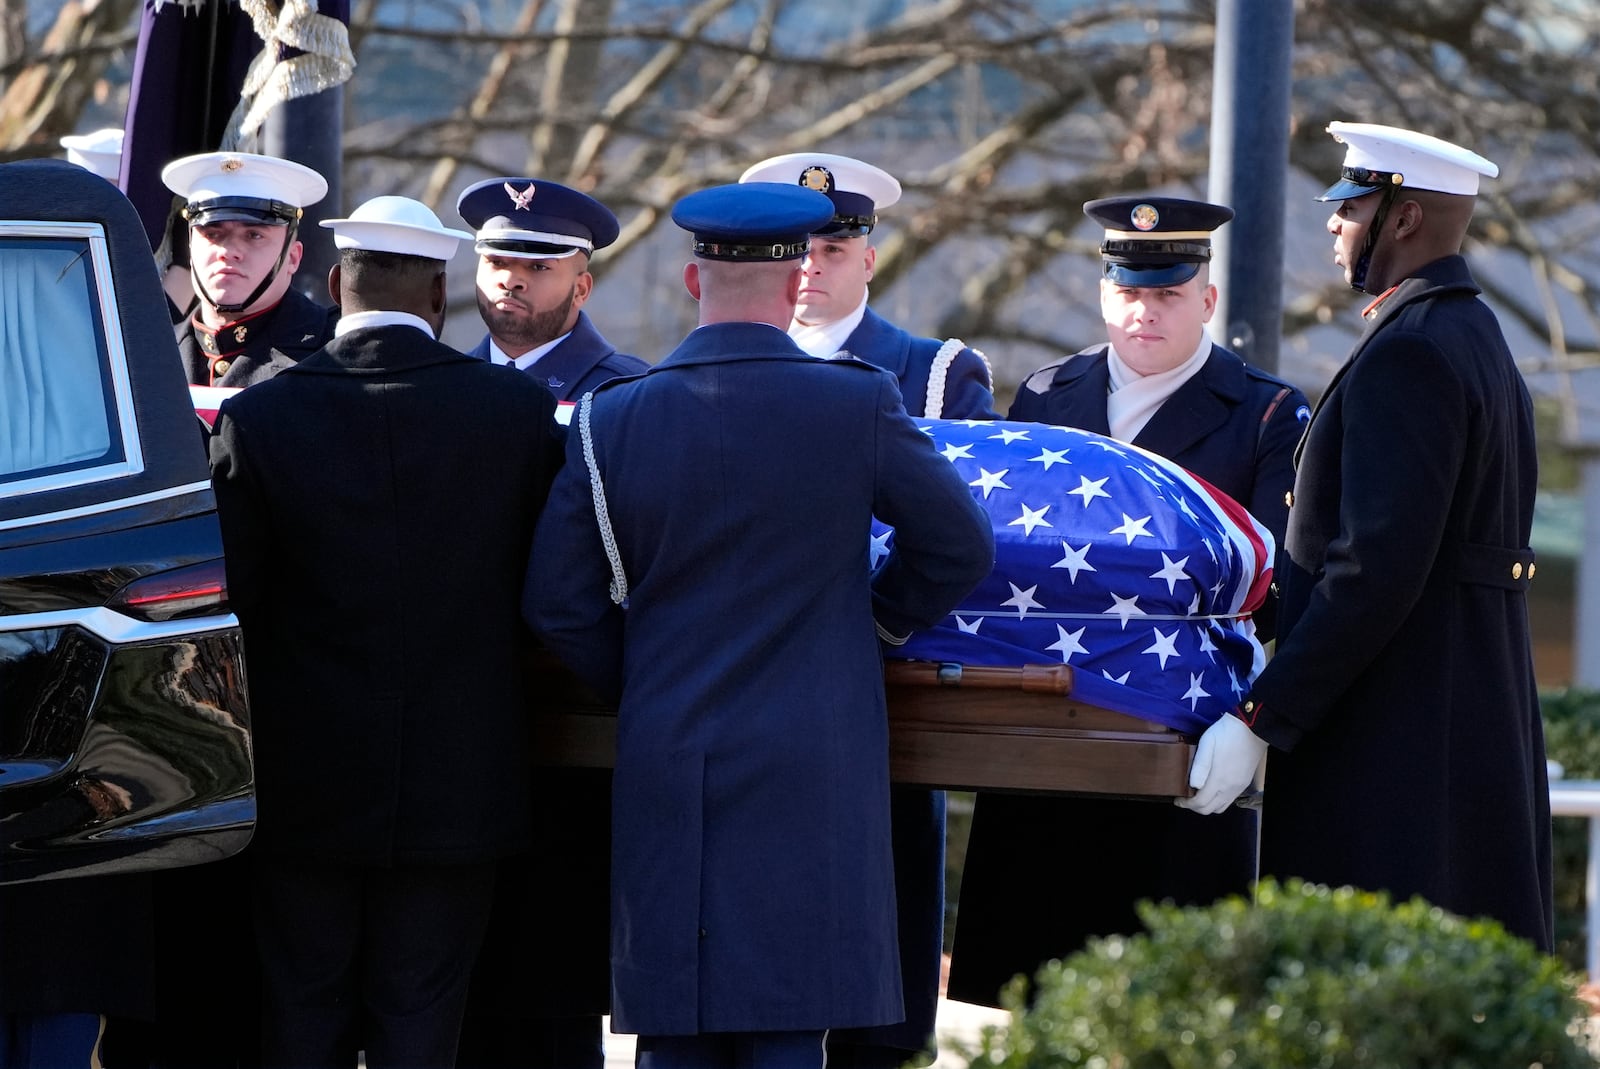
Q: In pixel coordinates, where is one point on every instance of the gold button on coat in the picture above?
(1516, 570)
(1288, 498)
(221, 368)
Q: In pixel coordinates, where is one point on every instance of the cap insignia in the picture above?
(1144, 217)
(519, 201)
(231, 164)
(1397, 178)
(817, 178)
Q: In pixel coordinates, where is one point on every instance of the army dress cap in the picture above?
(857, 189)
(1380, 156)
(531, 219)
(753, 221)
(100, 151)
(398, 225)
(222, 186)
(1155, 241)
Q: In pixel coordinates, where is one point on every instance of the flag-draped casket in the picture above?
(1109, 559)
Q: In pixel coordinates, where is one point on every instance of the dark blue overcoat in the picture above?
(1408, 752)
(752, 887)
(582, 361)
(968, 384)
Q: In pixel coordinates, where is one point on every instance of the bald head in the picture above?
(749, 292)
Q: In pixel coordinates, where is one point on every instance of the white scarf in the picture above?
(1134, 398)
(822, 340)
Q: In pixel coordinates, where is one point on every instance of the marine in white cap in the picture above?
(937, 378)
(1407, 753)
(1385, 166)
(243, 212)
(377, 502)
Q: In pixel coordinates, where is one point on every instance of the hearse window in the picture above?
(66, 417)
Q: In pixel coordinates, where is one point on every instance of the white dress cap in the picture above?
(243, 176)
(1421, 161)
(858, 190)
(100, 151)
(399, 225)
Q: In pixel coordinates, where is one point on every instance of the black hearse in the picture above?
(124, 729)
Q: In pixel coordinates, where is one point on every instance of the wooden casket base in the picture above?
(951, 726)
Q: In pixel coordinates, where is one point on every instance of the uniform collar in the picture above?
(379, 318)
(232, 336)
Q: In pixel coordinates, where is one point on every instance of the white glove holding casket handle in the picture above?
(1225, 763)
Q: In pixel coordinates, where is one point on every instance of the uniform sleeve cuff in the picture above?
(1278, 731)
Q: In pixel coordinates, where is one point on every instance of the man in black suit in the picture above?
(375, 558)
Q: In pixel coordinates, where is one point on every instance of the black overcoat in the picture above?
(1408, 753)
(377, 502)
(1236, 427)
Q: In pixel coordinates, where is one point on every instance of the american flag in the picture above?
(1110, 559)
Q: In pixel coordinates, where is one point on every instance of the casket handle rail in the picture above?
(954, 726)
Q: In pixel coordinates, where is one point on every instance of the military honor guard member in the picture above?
(392, 736)
(945, 379)
(243, 211)
(534, 242)
(99, 151)
(937, 378)
(719, 591)
(1407, 753)
(1161, 383)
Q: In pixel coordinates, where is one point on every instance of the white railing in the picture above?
(1581, 798)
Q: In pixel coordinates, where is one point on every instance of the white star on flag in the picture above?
(1124, 607)
(1108, 447)
(1007, 437)
(1172, 571)
(990, 480)
(1032, 518)
(951, 451)
(880, 548)
(1194, 693)
(1067, 644)
(969, 628)
(1164, 646)
(1089, 489)
(1022, 599)
(1120, 681)
(1132, 528)
(1075, 560)
(976, 422)
(1207, 647)
(1047, 457)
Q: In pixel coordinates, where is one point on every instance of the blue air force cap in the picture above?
(1155, 241)
(753, 221)
(857, 189)
(531, 219)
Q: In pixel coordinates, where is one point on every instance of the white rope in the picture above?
(602, 516)
(933, 407)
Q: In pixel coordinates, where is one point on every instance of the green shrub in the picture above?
(1303, 977)
(1572, 738)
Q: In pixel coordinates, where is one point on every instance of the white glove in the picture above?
(1225, 763)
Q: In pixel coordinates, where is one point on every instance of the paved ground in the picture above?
(956, 1019)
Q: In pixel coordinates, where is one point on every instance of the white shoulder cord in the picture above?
(602, 516)
(933, 408)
